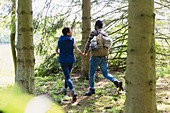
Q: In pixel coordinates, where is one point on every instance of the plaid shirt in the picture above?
(92, 34)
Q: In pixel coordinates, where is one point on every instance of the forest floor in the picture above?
(106, 100)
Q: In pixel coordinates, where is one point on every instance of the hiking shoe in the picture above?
(120, 87)
(74, 96)
(91, 92)
(118, 84)
(64, 91)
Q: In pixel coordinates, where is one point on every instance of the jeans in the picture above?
(66, 67)
(94, 63)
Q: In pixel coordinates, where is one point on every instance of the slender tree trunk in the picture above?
(86, 28)
(140, 73)
(25, 48)
(12, 36)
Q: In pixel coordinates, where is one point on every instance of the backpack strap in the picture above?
(94, 59)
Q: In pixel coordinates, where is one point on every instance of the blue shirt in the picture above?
(65, 44)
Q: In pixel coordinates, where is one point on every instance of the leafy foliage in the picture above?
(52, 17)
(115, 24)
(49, 67)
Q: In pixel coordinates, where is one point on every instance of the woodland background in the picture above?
(50, 16)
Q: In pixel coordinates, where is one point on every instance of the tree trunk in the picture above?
(12, 36)
(86, 28)
(140, 73)
(25, 48)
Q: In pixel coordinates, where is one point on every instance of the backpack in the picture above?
(100, 45)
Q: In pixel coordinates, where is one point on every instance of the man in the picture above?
(96, 61)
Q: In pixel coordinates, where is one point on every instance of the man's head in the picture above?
(67, 31)
(98, 24)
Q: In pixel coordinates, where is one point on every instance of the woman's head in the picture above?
(67, 31)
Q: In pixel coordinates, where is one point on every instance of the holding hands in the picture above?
(83, 54)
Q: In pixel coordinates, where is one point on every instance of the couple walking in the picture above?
(65, 47)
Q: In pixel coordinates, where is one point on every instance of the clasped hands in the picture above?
(83, 54)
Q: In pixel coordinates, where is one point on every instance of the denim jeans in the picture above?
(94, 63)
(66, 67)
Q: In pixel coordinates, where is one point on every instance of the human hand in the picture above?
(81, 54)
(84, 54)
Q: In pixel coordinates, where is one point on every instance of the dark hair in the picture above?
(65, 30)
(99, 23)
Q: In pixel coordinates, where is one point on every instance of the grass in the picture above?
(162, 71)
(104, 91)
(106, 98)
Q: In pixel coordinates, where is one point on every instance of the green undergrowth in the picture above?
(106, 100)
(162, 71)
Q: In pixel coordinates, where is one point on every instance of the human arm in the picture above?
(57, 50)
(92, 34)
(77, 49)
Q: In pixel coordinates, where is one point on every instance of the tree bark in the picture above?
(12, 36)
(140, 73)
(86, 28)
(25, 47)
